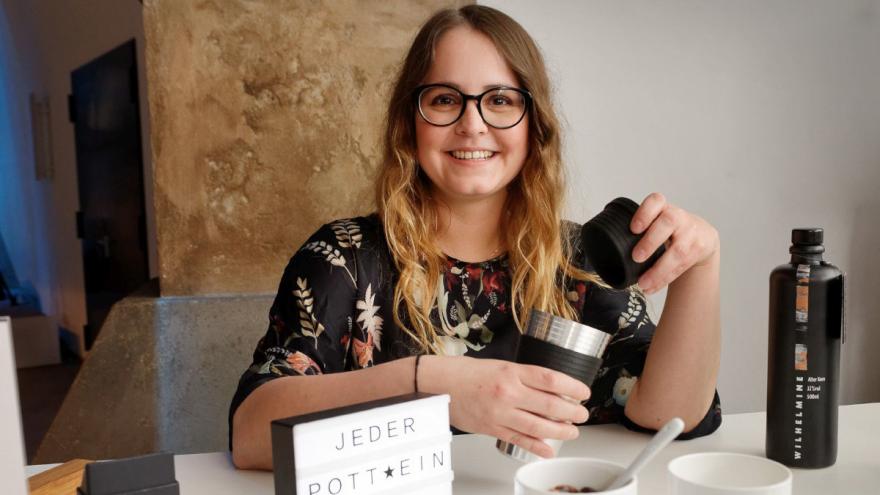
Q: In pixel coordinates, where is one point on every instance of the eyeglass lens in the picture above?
(501, 107)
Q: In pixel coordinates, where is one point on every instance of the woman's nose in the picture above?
(471, 123)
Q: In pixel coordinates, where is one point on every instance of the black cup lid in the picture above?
(608, 243)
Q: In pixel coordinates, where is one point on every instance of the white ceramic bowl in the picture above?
(539, 477)
(725, 473)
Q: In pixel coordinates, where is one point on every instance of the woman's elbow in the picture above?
(247, 450)
(243, 460)
(654, 416)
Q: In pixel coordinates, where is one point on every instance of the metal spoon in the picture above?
(661, 439)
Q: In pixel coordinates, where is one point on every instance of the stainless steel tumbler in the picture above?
(562, 345)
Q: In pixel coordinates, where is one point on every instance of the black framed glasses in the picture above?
(501, 107)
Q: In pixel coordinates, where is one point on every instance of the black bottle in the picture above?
(806, 329)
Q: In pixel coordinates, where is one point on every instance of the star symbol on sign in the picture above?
(389, 472)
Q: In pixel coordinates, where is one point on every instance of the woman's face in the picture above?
(468, 60)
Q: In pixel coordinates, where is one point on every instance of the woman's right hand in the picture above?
(509, 401)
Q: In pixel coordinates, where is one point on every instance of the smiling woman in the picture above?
(467, 240)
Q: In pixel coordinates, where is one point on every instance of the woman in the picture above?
(468, 238)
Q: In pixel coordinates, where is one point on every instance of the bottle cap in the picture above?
(807, 237)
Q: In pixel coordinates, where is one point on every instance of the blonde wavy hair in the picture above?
(538, 249)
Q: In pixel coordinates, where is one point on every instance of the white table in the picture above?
(481, 470)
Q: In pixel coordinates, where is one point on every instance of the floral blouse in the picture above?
(333, 312)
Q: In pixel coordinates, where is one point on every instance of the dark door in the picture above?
(111, 220)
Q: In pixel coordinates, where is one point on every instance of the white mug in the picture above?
(539, 477)
(726, 473)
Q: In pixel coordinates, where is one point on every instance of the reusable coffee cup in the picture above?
(726, 473)
(608, 243)
(562, 345)
(541, 477)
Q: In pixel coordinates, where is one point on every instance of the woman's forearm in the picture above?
(681, 368)
(295, 395)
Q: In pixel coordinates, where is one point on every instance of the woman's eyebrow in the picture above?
(485, 88)
(446, 83)
(496, 85)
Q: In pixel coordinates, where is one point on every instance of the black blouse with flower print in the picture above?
(333, 312)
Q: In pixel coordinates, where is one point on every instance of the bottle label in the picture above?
(800, 357)
(801, 319)
(807, 389)
(801, 314)
(802, 299)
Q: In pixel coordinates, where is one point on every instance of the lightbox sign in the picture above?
(399, 445)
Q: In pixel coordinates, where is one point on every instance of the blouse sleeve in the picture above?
(623, 313)
(310, 320)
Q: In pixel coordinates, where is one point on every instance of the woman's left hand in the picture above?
(690, 241)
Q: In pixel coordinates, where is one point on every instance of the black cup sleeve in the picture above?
(574, 364)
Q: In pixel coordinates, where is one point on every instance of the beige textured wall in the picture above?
(266, 120)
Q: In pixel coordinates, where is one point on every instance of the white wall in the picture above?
(759, 116)
(48, 40)
(23, 200)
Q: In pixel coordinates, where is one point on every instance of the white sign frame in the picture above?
(12, 459)
(399, 445)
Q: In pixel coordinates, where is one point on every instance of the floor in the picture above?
(41, 391)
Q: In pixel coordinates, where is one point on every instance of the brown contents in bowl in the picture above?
(572, 489)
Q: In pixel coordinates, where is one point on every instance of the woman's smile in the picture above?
(468, 155)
